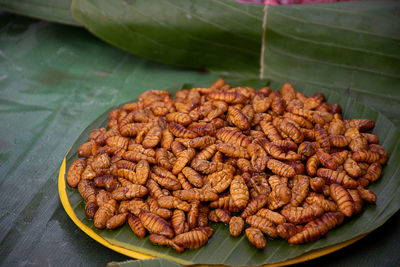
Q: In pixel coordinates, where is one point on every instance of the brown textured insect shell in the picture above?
(155, 224)
(256, 237)
(236, 225)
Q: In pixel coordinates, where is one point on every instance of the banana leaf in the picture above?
(222, 248)
(350, 47)
(51, 10)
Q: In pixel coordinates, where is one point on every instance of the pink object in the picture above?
(289, 2)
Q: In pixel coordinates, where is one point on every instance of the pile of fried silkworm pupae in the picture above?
(272, 163)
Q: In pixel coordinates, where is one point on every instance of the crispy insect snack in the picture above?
(280, 163)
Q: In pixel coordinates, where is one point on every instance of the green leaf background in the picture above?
(350, 48)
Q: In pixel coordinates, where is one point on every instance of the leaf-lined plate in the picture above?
(225, 249)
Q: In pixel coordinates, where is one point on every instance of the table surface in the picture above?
(54, 81)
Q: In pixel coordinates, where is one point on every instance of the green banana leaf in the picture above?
(351, 47)
(222, 248)
(51, 10)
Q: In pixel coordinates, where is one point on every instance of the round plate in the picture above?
(222, 249)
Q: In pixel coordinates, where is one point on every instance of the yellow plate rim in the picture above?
(142, 256)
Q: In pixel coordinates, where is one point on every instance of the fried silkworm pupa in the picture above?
(270, 131)
(239, 192)
(302, 214)
(75, 171)
(367, 195)
(104, 213)
(184, 182)
(312, 165)
(236, 225)
(300, 189)
(203, 216)
(232, 136)
(196, 194)
(137, 156)
(85, 150)
(254, 205)
(202, 142)
(155, 224)
(162, 158)
(118, 142)
(179, 117)
(108, 182)
(193, 239)
(166, 139)
(233, 151)
(358, 202)
(278, 106)
(228, 97)
(279, 153)
(335, 177)
(280, 168)
(317, 184)
(272, 216)
(366, 156)
(164, 241)
(238, 118)
(116, 221)
(373, 172)
(321, 136)
(87, 190)
(202, 128)
(326, 160)
(180, 131)
(129, 191)
(171, 202)
(286, 230)
(178, 221)
(224, 202)
(261, 104)
(292, 131)
(351, 167)
(142, 171)
(343, 199)
(193, 214)
(156, 209)
(256, 237)
(319, 200)
(245, 166)
(136, 226)
(363, 125)
(101, 161)
(220, 181)
(266, 226)
(183, 158)
(316, 229)
(166, 182)
(223, 215)
(193, 176)
(281, 193)
(259, 157)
